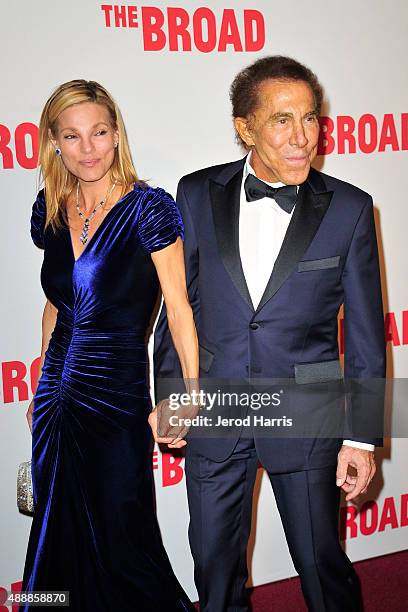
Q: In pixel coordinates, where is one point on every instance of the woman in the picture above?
(108, 240)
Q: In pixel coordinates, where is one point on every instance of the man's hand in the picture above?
(364, 463)
(171, 442)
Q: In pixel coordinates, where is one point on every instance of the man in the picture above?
(272, 250)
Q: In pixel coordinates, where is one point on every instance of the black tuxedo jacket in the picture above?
(328, 258)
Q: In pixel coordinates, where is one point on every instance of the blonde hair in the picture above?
(58, 181)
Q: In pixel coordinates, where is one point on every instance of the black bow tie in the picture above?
(285, 196)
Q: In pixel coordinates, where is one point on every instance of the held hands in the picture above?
(364, 463)
(169, 425)
(155, 417)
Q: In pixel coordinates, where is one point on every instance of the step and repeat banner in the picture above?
(169, 65)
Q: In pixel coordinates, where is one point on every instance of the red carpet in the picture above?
(384, 582)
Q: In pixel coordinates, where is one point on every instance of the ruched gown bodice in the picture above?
(94, 529)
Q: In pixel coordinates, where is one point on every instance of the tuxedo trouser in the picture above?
(220, 504)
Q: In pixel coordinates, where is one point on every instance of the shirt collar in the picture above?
(248, 169)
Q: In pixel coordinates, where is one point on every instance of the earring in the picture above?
(58, 151)
(116, 144)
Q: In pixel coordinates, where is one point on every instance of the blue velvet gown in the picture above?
(94, 530)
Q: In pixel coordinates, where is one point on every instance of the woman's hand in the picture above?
(29, 415)
(171, 442)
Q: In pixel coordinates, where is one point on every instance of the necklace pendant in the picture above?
(84, 235)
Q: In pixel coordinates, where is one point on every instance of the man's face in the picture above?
(283, 132)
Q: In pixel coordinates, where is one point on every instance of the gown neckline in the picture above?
(102, 223)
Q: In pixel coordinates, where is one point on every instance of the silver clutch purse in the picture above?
(25, 500)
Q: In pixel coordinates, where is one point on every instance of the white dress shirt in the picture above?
(262, 228)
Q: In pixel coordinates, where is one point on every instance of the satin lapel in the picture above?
(225, 202)
(308, 214)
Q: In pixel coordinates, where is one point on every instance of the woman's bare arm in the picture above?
(169, 263)
(49, 319)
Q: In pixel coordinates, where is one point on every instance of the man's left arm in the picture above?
(364, 357)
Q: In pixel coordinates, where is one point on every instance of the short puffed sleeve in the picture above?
(160, 222)
(38, 217)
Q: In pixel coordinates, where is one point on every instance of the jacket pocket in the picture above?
(319, 264)
(321, 371)
(206, 358)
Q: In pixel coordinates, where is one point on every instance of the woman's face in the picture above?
(87, 140)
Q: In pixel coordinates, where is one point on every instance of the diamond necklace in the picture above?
(84, 234)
